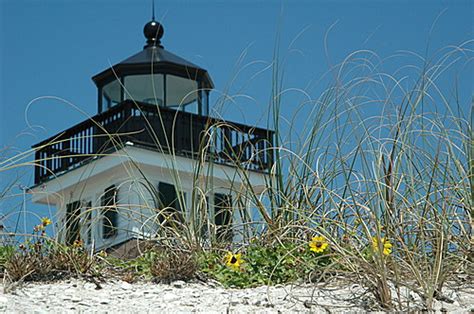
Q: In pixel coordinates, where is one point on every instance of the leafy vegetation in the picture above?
(263, 264)
(5, 254)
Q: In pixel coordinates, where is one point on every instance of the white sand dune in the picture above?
(117, 296)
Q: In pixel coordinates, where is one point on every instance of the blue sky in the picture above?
(53, 48)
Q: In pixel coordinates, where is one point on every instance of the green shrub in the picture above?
(5, 253)
(262, 264)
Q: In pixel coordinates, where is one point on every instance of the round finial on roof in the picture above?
(153, 32)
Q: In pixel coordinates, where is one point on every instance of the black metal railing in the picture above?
(166, 130)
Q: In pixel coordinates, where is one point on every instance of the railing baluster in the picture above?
(48, 160)
(89, 140)
(37, 166)
(66, 152)
(82, 143)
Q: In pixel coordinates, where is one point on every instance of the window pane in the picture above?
(86, 227)
(111, 94)
(223, 216)
(145, 88)
(169, 204)
(181, 92)
(205, 102)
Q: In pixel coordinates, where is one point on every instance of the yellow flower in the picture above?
(233, 260)
(45, 221)
(387, 246)
(318, 244)
(77, 244)
(102, 254)
(38, 228)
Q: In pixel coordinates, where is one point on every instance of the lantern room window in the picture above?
(158, 89)
(111, 94)
(181, 92)
(147, 88)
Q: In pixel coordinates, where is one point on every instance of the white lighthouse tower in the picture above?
(152, 159)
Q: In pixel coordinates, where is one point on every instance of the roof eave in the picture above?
(121, 69)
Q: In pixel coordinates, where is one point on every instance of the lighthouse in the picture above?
(153, 162)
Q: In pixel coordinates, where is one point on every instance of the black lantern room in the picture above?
(155, 76)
